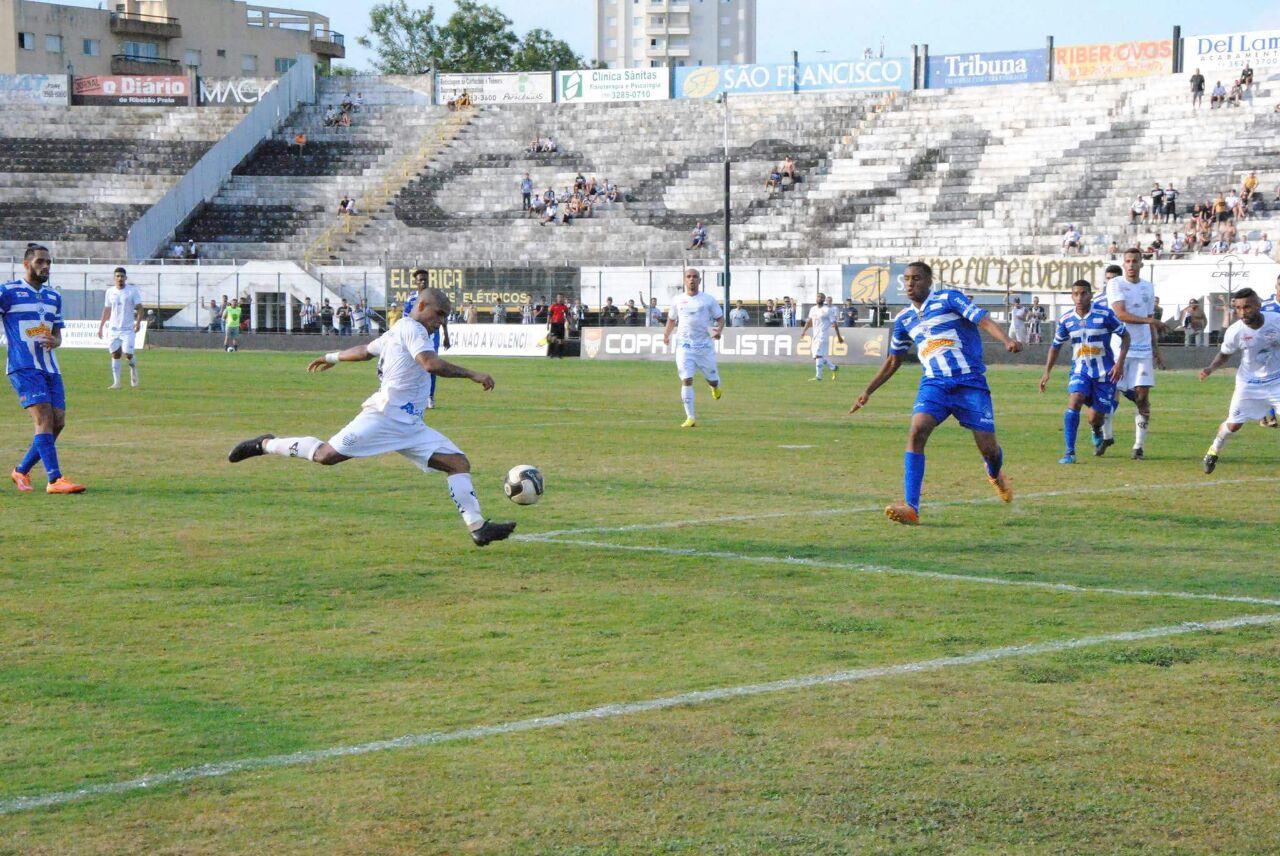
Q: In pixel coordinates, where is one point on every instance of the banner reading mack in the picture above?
(486, 286)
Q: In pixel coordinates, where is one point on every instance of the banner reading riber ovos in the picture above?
(517, 88)
(614, 85)
(987, 69)
(708, 81)
(1117, 59)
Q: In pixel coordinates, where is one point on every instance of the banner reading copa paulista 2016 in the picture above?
(987, 69)
(1258, 49)
(711, 80)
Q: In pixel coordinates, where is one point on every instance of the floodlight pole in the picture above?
(724, 99)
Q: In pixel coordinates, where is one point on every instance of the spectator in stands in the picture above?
(343, 206)
(1236, 95)
(774, 179)
(1246, 76)
(550, 211)
(536, 208)
(308, 315)
(1197, 89)
(526, 312)
(738, 317)
(499, 312)
(215, 316)
(1179, 246)
(351, 207)
(653, 314)
(611, 191)
(1036, 316)
(772, 317)
(1155, 248)
(631, 314)
(1113, 249)
(470, 312)
(1221, 210)
(608, 313)
(1018, 321)
(1235, 204)
(326, 318)
(1157, 315)
(790, 312)
(193, 252)
(579, 182)
(343, 317)
(1204, 239)
(358, 104)
(526, 191)
(788, 169)
(577, 315)
(1228, 232)
(698, 237)
(1193, 323)
(347, 104)
(1264, 247)
(1218, 97)
(1248, 188)
(1071, 241)
(362, 318)
(849, 313)
(344, 121)
(1157, 201)
(330, 116)
(1139, 212)
(1220, 247)
(1170, 205)
(593, 189)
(299, 143)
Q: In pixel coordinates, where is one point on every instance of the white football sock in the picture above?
(1224, 433)
(133, 363)
(817, 369)
(293, 447)
(464, 496)
(1108, 426)
(686, 396)
(1139, 431)
(115, 370)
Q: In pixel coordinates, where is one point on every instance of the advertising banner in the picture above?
(614, 85)
(869, 283)
(232, 92)
(1260, 49)
(708, 81)
(131, 91)
(1116, 59)
(522, 88)
(987, 69)
(497, 340)
(1001, 273)
(737, 345)
(84, 334)
(486, 286)
(51, 89)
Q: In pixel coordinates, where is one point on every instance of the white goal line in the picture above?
(609, 711)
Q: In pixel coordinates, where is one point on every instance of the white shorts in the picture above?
(820, 347)
(121, 340)
(689, 360)
(1138, 371)
(1252, 401)
(371, 433)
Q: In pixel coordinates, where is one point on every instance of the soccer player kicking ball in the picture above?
(822, 321)
(698, 321)
(391, 418)
(943, 324)
(1256, 337)
(32, 316)
(1094, 371)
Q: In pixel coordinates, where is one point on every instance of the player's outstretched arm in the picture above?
(106, 313)
(1219, 360)
(887, 368)
(356, 354)
(989, 324)
(718, 328)
(1048, 365)
(443, 368)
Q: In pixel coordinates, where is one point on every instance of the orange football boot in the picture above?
(64, 485)
(22, 480)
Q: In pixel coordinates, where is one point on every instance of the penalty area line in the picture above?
(865, 509)
(609, 711)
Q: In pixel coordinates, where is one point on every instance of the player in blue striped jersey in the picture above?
(32, 318)
(1094, 371)
(1272, 305)
(943, 324)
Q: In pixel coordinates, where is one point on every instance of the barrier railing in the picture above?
(152, 230)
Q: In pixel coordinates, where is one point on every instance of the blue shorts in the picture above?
(1099, 395)
(35, 386)
(967, 399)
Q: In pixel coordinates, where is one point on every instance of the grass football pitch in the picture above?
(703, 641)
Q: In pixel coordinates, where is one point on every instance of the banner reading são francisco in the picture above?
(708, 81)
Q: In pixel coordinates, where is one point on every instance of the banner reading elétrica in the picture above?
(1117, 59)
(487, 286)
(132, 91)
(987, 69)
(519, 88)
(53, 89)
(1259, 49)
(708, 81)
(614, 85)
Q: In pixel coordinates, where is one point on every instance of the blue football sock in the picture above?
(913, 477)
(49, 456)
(29, 459)
(1070, 428)
(994, 464)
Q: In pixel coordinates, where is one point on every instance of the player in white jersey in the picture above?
(391, 419)
(1271, 304)
(698, 321)
(1133, 299)
(121, 316)
(822, 321)
(1256, 337)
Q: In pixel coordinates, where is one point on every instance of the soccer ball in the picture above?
(523, 485)
(231, 349)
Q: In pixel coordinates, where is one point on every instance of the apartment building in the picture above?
(657, 33)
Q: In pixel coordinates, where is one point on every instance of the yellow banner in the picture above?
(1116, 59)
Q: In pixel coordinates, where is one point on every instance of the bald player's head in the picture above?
(431, 309)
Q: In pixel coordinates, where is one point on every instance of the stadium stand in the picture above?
(92, 171)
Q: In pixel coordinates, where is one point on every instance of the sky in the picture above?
(842, 29)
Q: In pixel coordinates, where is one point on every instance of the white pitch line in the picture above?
(828, 512)
(609, 711)
(856, 567)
